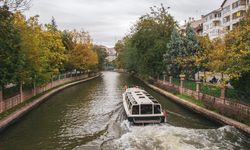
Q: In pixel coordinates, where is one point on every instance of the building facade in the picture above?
(197, 25)
(224, 19)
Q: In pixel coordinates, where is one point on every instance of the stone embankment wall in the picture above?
(205, 112)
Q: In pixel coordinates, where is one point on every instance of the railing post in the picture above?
(198, 87)
(182, 77)
(51, 84)
(21, 91)
(170, 80)
(223, 93)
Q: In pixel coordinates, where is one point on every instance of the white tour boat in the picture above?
(141, 107)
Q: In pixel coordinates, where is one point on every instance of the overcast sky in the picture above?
(109, 20)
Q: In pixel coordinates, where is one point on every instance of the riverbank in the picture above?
(200, 110)
(19, 113)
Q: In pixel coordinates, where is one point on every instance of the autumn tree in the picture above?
(217, 57)
(238, 51)
(82, 56)
(52, 42)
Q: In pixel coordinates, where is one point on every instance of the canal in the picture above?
(91, 116)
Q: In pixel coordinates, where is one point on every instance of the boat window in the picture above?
(130, 105)
(141, 97)
(157, 109)
(146, 109)
(135, 110)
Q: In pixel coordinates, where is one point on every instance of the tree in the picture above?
(147, 42)
(238, 52)
(217, 57)
(52, 43)
(238, 48)
(11, 58)
(191, 45)
(101, 54)
(175, 49)
(32, 46)
(201, 58)
(82, 57)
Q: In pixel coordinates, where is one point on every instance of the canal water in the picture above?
(90, 116)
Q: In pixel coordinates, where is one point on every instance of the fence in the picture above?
(27, 94)
(213, 97)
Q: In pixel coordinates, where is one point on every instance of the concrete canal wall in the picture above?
(15, 116)
(207, 113)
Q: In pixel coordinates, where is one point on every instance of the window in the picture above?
(227, 28)
(226, 9)
(146, 109)
(130, 104)
(238, 14)
(157, 109)
(226, 19)
(242, 2)
(235, 5)
(135, 110)
(219, 14)
(216, 23)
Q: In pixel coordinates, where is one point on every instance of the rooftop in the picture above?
(139, 96)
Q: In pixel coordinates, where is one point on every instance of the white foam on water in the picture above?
(167, 137)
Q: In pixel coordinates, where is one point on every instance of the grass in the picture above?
(191, 99)
(211, 90)
(189, 85)
(176, 81)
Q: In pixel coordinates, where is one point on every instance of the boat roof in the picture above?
(140, 96)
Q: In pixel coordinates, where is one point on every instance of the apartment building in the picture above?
(226, 18)
(212, 25)
(197, 25)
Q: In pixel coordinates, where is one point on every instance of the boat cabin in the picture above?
(141, 103)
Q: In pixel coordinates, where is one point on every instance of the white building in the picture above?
(212, 25)
(224, 19)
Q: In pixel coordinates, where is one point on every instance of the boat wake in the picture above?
(172, 138)
(121, 135)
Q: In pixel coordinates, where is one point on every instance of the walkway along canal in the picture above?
(90, 116)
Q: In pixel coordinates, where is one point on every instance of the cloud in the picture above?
(109, 20)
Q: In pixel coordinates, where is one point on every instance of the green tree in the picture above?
(147, 42)
(11, 58)
(175, 49)
(101, 54)
(192, 47)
